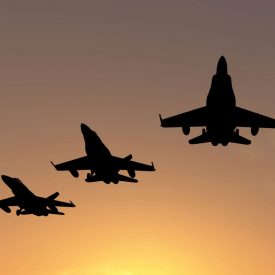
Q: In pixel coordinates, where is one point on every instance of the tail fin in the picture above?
(129, 157)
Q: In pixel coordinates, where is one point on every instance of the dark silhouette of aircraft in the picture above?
(29, 203)
(220, 116)
(101, 163)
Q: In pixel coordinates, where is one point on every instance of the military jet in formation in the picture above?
(220, 119)
(220, 116)
(102, 164)
(28, 202)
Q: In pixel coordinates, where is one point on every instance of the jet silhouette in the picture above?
(101, 163)
(220, 116)
(29, 203)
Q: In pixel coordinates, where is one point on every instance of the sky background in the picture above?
(115, 65)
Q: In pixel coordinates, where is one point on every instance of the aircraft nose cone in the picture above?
(222, 66)
(86, 131)
(5, 178)
(84, 127)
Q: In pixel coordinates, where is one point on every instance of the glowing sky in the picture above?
(115, 65)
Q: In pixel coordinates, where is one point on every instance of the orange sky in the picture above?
(115, 65)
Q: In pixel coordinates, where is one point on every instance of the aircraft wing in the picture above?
(127, 164)
(196, 117)
(137, 166)
(12, 201)
(63, 204)
(82, 163)
(245, 118)
(5, 203)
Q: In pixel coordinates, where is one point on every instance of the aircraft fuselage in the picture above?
(220, 105)
(220, 117)
(99, 154)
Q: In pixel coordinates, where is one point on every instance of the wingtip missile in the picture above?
(160, 119)
(72, 204)
(53, 164)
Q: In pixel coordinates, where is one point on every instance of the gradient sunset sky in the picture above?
(115, 65)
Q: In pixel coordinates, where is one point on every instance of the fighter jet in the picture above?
(102, 164)
(220, 116)
(28, 202)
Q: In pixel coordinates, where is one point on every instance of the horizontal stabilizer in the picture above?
(100, 178)
(55, 213)
(200, 139)
(5, 208)
(93, 178)
(126, 179)
(239, 139)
